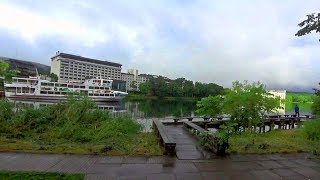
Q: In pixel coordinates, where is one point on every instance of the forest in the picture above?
(181, 87)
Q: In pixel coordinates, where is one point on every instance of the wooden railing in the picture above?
(165, 139)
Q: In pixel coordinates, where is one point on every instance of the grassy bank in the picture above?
(76, 127)
(296, 97)
(277, 141)
(8, 175)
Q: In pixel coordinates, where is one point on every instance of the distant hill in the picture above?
(27, 68)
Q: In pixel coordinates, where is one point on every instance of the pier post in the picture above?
(175, 120)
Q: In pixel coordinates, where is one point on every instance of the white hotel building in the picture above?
(73, 67)
(133, 77)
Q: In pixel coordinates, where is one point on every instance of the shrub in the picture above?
(316, 105)
(76, 120)
(6, 110)
(310, 130)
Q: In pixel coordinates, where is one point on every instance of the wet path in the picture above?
(187, 148)
(275, 166)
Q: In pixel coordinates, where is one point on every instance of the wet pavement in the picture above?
(187, 147)
(276, 166)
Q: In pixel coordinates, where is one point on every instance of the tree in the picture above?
(312, 23)
(133, 85)
(210, 106)
(5, 72)
(316, 102)
(246, 104)
(53, 77)
(145, 88)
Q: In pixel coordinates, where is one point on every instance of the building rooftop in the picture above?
(85, 59)
(127, 74)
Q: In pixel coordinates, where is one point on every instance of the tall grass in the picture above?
(78, 120)
(311, 130)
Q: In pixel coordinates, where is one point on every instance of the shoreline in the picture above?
(133, 97)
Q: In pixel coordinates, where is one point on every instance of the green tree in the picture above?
(316, 102)
(133, 85)
(145, 88)
(53, 77)
(246, 104)
(312, 23)
(181, 87)
(5, 73)
(210, 106)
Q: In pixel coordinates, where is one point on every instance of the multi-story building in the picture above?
(133, 79)
(129, 79)
(73, 67)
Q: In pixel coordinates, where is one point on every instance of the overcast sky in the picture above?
(208, 41)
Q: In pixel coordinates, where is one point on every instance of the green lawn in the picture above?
(299, 97)
(142, 144)
(277, 141)
(11, 175)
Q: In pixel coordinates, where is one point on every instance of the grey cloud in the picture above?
(201, 40)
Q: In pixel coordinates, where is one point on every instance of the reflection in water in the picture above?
(160, 108)
(113, 107)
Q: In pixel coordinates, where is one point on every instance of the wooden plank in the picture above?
(166, 140)
(194, 126)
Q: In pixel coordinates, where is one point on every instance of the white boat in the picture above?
(34, 88)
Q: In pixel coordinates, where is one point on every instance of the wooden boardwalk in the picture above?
(187, 147)
(178, 140)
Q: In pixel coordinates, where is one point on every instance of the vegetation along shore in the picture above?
(75, 126)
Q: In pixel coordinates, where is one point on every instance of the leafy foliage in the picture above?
(246, 104)
(312, 23)
(53, 77)
(133, 85)
(210, 106)
(39, 176)
(5, 72)
(316, 106)
(311, 130)
(161, 86)
(76, 121)
(299, 98)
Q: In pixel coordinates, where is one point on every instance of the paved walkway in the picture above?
(290, 166)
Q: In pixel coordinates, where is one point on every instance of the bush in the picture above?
(316, 105)
(311, 129)
(6, 110)
(76, 120)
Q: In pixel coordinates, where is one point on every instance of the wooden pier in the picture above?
(186, 147)
(276, 121)
(181, 136)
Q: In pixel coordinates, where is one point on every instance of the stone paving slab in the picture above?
(163, 167)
